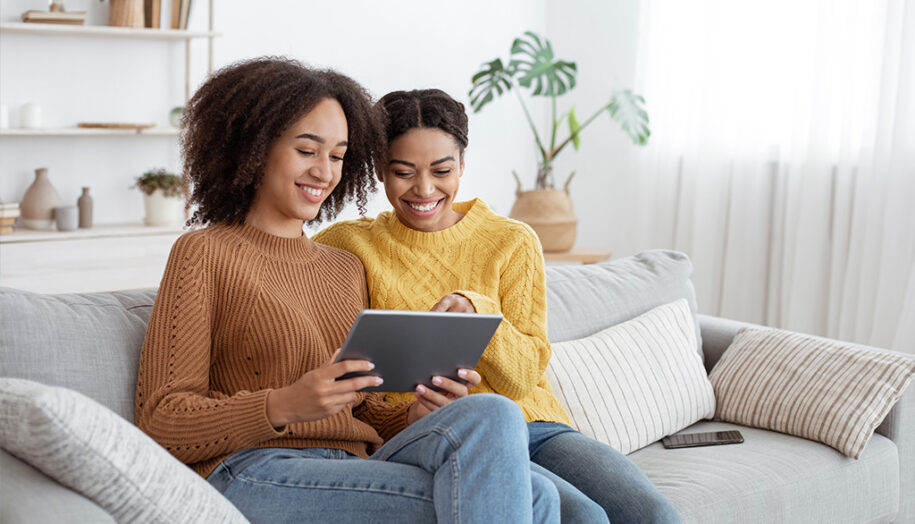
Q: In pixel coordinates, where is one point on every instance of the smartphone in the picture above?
(712, 438)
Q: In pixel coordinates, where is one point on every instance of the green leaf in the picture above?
(627, 108)
(534, 61)
(574, 127)
(492, 80)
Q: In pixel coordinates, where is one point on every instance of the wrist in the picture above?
(411, 413)
(277, 414)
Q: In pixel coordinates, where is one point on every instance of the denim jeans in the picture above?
(465, 462)
(602, 473)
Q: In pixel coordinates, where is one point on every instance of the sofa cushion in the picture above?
(810, 387)
(634, 383)
(582, 300)
(25, 500)
(90, 343)
(773, 477)
(87, 447)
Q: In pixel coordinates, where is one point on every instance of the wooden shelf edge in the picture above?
(103, 31)
(22, 235)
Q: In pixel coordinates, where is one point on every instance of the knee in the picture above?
(501, 413)
(546, 499)
(658, 510)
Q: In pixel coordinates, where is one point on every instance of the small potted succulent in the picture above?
(163, 199)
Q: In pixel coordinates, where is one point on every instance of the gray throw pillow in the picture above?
(91, 450)
(582, 300)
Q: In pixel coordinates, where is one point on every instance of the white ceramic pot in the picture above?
(162, 210)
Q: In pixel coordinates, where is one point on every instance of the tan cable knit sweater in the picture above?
(240, 312)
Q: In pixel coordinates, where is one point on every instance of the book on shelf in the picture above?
(152, 11)
(9, 205)
(180, 11)
(7, 221)
(54, 17)
(11, 212)
(6, 230)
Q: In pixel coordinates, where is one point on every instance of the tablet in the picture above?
(409, 347)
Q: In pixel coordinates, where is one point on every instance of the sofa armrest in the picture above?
(29, 496)
(898, 426)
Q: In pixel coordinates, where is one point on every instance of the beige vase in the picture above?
(126, 13)
(37, 206)
(549, 213)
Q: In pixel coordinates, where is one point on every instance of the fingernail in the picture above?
(420, 389)
(371, 365)
(378, 381)
(437, 381)
(462, 373)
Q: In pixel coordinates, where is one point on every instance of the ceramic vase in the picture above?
(37, 205)
(84, 203)
(163, 210)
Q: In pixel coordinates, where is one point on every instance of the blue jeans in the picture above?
(602, 473)
(465, 462)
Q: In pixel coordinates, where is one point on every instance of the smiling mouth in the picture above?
(424, 207)
(313, 194)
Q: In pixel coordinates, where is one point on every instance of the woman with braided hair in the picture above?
(432, 252)
(237, 376)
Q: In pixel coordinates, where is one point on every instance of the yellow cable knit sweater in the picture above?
(240, 312)
(495, 262)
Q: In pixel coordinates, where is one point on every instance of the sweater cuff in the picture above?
(251, 425)
(481, 303)
(397, 422)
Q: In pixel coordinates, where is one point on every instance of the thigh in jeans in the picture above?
(323, 485)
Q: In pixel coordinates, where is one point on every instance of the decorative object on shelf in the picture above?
(174, 116)
(84, 203)
(152, 13)
(38, 203)
(534, 67)
(114, 125)
(9, 211)
(30, 115)
(67, 218)
(54, 17)
(126, 13)
(162, 197)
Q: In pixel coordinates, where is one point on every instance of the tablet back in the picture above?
(409, 347)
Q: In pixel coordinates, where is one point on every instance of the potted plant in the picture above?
(534, 68)
(162, 197)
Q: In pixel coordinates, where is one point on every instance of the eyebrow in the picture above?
(411, 164)
(320, 140)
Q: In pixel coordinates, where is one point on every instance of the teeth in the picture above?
(423, 207)
(312, 191)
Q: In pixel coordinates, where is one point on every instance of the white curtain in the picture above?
(782, 159)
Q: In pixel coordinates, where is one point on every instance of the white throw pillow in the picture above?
(809, 387)
(636, 382)
(92, 450)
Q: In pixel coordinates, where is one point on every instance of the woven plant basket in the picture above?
(549, 213)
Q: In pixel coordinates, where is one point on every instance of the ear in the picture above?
(461, 172)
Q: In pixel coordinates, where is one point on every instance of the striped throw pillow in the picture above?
(634, 383)
(809, 387)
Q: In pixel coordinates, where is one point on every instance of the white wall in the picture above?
(384, 45)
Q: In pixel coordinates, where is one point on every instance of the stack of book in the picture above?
(8, 213)
(54, 17)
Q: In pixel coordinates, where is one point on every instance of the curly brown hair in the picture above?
(234, 118)
(423, 108)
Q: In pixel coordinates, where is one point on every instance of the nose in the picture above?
(321, 169)
(424, 186)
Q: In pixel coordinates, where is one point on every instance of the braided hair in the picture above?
(402, 111)
(235, 117)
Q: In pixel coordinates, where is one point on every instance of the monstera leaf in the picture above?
(491, 79)
(627, 108)
(534, 62)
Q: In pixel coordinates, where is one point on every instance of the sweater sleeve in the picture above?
(174, 403)
(387, 419)
(518, 354)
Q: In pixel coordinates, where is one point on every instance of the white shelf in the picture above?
(74, 131)
(103, 31)
(99, 231)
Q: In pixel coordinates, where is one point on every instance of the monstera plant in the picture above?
(534, 68)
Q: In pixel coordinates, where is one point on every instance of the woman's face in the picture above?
(303, 167)
(422, 177)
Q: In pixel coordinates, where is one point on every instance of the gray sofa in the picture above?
(91, 343)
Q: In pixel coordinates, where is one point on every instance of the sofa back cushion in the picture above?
(582, 300)
(88, 342)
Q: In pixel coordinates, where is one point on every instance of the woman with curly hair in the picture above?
(237, 376)
(434, 253)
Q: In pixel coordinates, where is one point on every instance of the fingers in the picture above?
(470, 376)
(343, 367)
(454, 303)
(430, 398)
(443, 304)
(355, 384)
(332, 358)
(450, 386)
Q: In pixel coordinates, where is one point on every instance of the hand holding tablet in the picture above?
(408, 348)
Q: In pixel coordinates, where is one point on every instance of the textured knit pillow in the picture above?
(634, 383)
(90, 449)
(809, 387)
